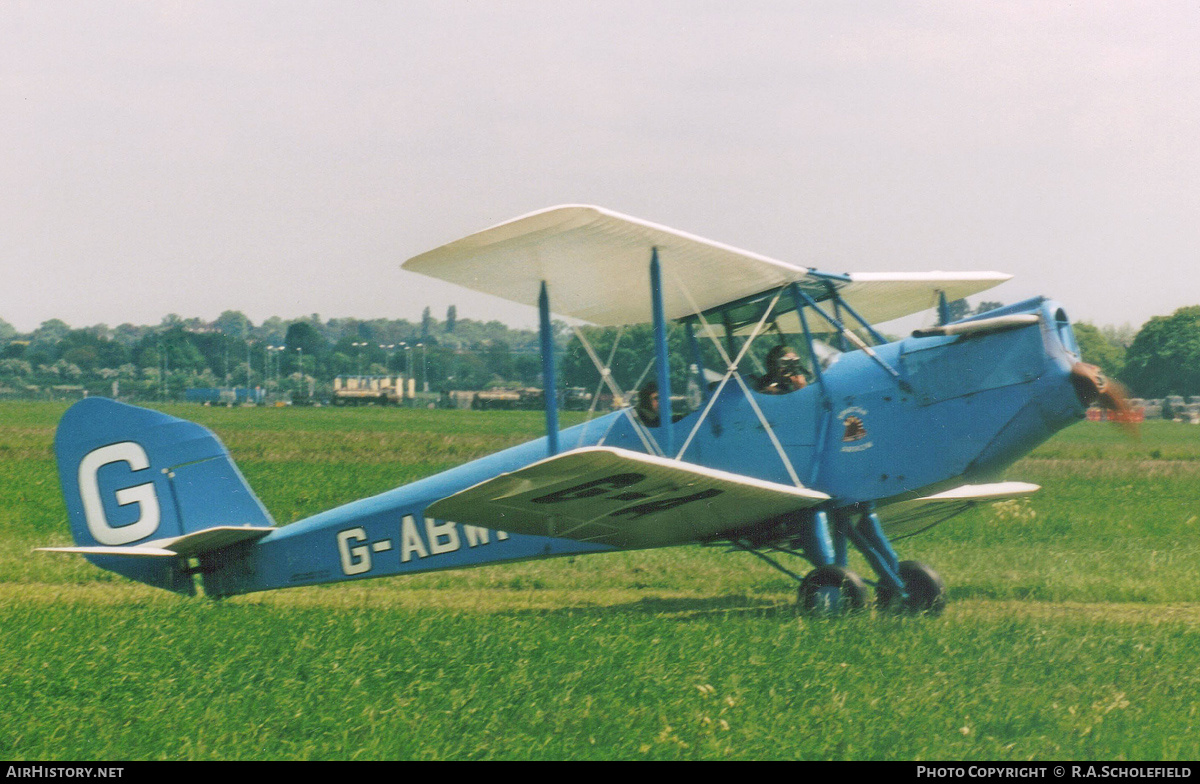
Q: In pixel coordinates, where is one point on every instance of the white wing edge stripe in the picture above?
(933, 276)
(969, 492)
(713, 473)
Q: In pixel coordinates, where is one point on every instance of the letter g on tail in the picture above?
(143, 495)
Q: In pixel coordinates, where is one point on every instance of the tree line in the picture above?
(302, 356)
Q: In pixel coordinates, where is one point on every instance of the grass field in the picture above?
(1072, 631)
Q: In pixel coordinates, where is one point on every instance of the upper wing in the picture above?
(626, 499)
(906, 518)
(883, 296)
(595, 265)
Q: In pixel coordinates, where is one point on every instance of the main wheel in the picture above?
(832, 590)
(925, 589)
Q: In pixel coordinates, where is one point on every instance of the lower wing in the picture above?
(621, 498)
(913, 516)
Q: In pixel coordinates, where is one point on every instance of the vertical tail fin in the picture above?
(133, 478)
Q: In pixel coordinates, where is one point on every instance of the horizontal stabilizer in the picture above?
(137, 552)
(913, 516)
(185, 546)
(621, 498)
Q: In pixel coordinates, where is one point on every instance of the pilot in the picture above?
(784, 373)
(647, 404)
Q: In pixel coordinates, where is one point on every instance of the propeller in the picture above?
(1093, 386)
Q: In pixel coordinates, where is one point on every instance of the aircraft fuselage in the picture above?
(962, 409)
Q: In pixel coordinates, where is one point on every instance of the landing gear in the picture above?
(925, 589)
(832, 590)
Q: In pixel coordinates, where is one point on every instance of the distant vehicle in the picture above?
(1134, 414)
(370, 390)
(871, 441)
(224, 396)
(500, 399)
(529, 399)
(576, 399)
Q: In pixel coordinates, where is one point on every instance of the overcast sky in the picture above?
(285, 158)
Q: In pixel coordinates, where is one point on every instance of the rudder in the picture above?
(132, 476)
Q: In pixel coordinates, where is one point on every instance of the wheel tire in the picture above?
(925, 589)
(832, 590)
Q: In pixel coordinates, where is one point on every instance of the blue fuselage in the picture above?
(961, 410)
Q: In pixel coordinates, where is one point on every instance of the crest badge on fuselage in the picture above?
(854, 431)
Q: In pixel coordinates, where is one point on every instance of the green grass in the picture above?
(1072, 630)
(246, 681)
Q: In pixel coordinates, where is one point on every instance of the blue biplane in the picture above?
(873, 440)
